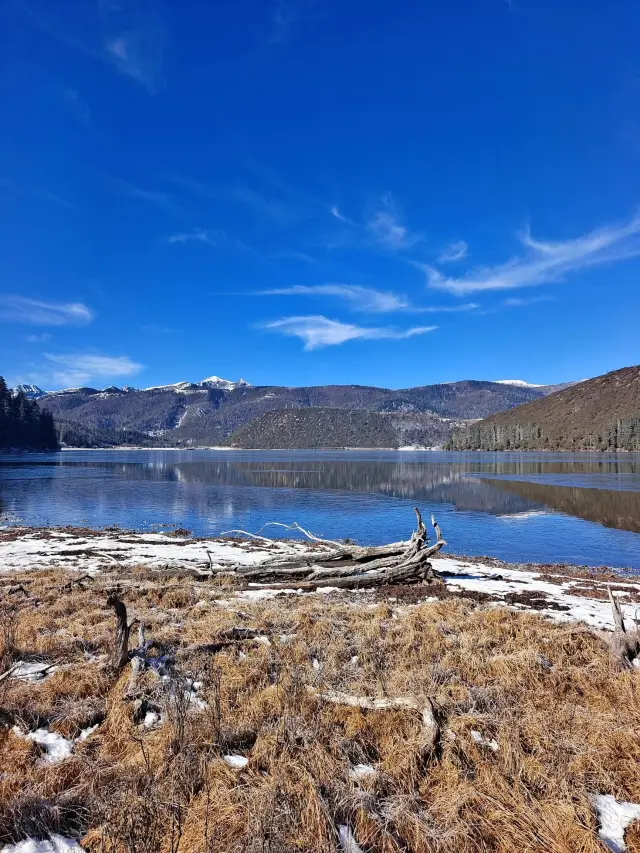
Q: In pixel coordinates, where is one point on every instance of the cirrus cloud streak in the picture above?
(318, 331)
(19, 309)
(73, 369)
(546, 261)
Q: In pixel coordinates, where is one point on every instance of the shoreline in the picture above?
(561, 592)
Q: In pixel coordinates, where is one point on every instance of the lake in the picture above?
(520, 507)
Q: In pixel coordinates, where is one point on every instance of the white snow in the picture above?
(33, 549)
(33, 670)
(210, 382)
(150, 719)
(362, 771)
(478, 577)
(483, 741)
(519, 382)
(85, 733)
(238, 762)
(348, 842)
(55, 844)
(56, 747)
(225, 384)
(614, 817)
(91, 554)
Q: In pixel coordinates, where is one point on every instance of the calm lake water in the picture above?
(533, 507)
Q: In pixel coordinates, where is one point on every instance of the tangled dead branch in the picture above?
(344, 566)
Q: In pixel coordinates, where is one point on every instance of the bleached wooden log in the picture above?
(431, 729)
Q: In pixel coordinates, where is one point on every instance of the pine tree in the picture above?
(23, 426)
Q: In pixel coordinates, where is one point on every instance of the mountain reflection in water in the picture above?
(367, 495)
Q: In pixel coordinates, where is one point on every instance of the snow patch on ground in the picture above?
(56, 748)
(348, 842)
(554, 596)
(483, 741)
(237, 762)
(503, 581)
(55, 844)
(362, 771)
(33, 670)
(614, 817)
(156, 550)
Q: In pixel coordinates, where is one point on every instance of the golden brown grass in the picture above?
(566, 721)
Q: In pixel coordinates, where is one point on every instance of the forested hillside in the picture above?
(326, 428)
(599, 414)
(23, 426)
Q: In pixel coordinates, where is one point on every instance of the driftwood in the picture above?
(624, 645)
(430, 727)
(123, 629)
(344, 566)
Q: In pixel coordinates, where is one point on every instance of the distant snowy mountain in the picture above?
(519, 382)
(225, 384)
(211, 382)
(31, 391)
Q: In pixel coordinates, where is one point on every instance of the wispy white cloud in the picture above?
(335, 212)
(318, 331)
(198, 235)
(362, 298)
(74, 369)
(517, 302)
(128, 36)
(454, 252)
(19, 309)
(446, 309)
(386, 227)
(545, 261)
(35, 192)
(159, 198)
(159, 329)
(138, 54)
(294, 255)
(274, 209)
(38, 339)
(366, 299)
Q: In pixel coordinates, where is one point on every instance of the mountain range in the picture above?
(219, 412)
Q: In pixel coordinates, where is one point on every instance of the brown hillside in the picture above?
(599, 414)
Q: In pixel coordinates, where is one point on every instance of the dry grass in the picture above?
(566, 722)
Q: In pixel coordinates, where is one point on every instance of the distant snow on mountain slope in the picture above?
(31, 391)
(519, 382)
(205, 384)
(225, 384)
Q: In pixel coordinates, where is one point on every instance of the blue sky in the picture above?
(312, 191)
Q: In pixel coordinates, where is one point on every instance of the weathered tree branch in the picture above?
(121, 647)
(431, 729)
(624, 645)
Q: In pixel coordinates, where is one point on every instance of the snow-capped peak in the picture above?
(225, 384)
(29, 391)
(519, 382)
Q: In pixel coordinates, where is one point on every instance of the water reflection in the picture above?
(550, 498)
(612, 508)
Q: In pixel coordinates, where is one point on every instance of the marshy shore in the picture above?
(479, 711)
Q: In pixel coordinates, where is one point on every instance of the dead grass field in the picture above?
(534, 719)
